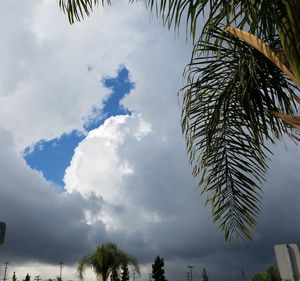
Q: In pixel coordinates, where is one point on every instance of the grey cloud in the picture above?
(162, 183)
(47, 225)
(42, 224)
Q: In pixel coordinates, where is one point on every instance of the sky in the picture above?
(52, 157)
(92, 150)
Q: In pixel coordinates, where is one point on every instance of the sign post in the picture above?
(2, 231)
(288, 260)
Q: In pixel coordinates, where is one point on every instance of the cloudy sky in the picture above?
(92, 150)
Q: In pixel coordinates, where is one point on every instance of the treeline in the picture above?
(27, 277)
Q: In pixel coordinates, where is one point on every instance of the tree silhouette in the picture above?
(14, 278)
(158, 272)
(204, 275)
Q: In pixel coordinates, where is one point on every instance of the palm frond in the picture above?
(262, 47)
(287, 21)
(231, 88)
(293, 121)
(256, 15)
(129, 260)
(78, 9)
(253, 41)
(82, 265)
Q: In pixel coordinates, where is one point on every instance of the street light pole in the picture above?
(5, 270)
(61, 264)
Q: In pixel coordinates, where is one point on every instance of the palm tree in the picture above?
(104, 260)
(236, 87)
(240, 95)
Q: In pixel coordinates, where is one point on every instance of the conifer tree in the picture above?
(158, 272)
(204, 275)
(14, 278)
(27, 278)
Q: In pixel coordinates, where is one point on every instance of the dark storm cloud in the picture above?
(46, 225)
(42, 223)
(278, 222)
(186, 235)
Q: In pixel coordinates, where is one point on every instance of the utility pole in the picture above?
(188, 276)
(191, 272)
(37, 278)
(5, 270)
(61, 264)
(150, 275)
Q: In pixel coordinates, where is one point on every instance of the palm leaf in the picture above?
(251, 14)
(231, 88)
(78, 9)
(287, 21)
(293, 121)
(259, 45)
(82, 265)
(246, 13)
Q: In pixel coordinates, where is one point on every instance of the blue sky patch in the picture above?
(120, 87)
(54, 156)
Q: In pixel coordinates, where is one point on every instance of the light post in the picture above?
(5, 270)
(61, 264)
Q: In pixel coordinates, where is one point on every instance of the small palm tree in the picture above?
(104, 260)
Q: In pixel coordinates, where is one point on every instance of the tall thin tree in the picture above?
(14, 278)
(158, 271)
(204, 275)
